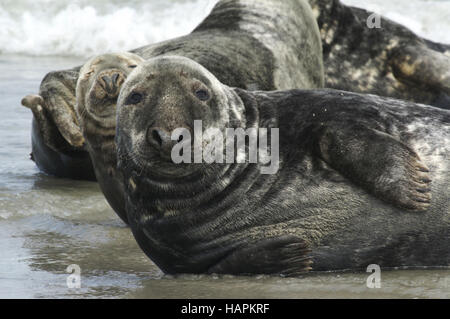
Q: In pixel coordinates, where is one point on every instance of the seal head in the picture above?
(175, 92)
(99, 85)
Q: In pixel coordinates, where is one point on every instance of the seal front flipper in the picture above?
(35, 104)
(285, 255)
(58, 92)
(378, 162)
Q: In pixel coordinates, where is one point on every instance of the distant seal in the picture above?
(97, 90)
(362, 179)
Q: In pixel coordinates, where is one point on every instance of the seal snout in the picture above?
(111, 81)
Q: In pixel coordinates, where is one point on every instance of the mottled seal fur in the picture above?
(390, 60)
(269, 44)
(97, 90)
(362, 179)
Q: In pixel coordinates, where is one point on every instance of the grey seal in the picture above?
(362, 179)
(97, 90)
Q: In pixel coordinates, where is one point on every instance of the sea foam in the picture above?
(85, 28)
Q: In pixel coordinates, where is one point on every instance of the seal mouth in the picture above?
(161, 165)
(157, 165)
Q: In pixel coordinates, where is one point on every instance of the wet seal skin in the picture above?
(362, 179)
(275, 45)
(97, 90)
(264, 44)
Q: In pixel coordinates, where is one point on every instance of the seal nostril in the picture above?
(160, 140)
(157, 137)
(180, 138)
(107, 83)
(115, 77)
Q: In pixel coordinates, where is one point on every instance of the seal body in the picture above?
(362, 179)
(255, 45)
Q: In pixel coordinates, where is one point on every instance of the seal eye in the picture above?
(132, 66)
(134, 98)
(202, 95)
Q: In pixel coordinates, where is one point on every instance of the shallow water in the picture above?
(47, 224)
